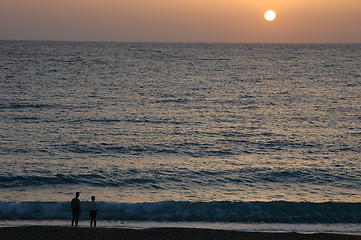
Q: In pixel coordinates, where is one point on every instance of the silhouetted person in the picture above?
(75, 207)
(93, 212)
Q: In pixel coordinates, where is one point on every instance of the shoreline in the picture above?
(343, 229)
(174, 233)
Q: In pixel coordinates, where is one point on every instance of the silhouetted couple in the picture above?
(76, 210)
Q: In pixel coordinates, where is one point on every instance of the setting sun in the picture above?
(270, 15)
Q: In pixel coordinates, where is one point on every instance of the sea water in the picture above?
(181, 132)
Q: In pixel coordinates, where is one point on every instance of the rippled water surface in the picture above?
(150, 122)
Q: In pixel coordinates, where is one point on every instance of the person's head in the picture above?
(93, 198)
(77, 194)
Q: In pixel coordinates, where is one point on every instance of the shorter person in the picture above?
(93, 212)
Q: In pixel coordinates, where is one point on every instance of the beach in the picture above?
(58, 233)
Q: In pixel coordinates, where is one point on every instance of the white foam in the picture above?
(252, 227)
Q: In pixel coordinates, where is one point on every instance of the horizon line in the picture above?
(173, 42)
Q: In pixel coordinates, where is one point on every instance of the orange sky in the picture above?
(181, 20)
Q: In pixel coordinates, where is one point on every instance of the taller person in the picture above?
(76, 209)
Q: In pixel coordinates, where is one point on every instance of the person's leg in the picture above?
(91, 215)
(72, 219)
(95, 218)
(76, 219)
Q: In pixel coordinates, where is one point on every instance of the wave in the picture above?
(220, 144)
(26, 106)
(173, 211)
(162, 178)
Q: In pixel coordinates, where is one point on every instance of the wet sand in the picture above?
(57, 233)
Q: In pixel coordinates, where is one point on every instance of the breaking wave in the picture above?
(178, 211)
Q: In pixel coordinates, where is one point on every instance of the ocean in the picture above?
(183, 133)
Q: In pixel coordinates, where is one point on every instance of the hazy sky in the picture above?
(181, 20)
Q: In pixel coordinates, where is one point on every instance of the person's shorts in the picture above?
(76, 213)
(92, 214)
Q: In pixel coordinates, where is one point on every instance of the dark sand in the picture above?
(57, 233)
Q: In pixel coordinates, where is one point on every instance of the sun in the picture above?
(270, 15)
